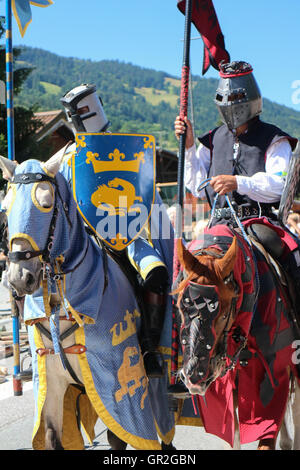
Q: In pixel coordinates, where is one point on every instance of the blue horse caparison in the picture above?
(108, 317)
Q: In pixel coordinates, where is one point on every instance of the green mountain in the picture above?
(135, 99)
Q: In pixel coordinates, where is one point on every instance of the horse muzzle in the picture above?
(196, 382)
(23, 280)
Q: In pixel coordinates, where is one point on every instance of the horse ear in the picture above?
(8, 167)
(187, 260)
(226, 264)
(53, 164)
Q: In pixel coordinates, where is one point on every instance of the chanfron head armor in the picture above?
(84, 109)
(238, 97)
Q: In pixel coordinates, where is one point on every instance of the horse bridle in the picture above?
(16, 256)
(29, 178)
(237, 336)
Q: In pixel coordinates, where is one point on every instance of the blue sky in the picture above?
(149, 33)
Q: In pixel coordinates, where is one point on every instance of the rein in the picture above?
(236, 333)
(16, 256)
(248, 241)
(52, 272)
(238, 338)
(29, 178)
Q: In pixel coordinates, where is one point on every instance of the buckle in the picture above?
(218, 213)
(239, 212)
(227, 213)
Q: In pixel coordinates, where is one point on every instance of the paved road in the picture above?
(16, 422)
(16, 416)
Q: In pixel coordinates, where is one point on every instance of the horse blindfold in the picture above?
(200, 307)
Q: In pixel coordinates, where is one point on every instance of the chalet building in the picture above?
(56, 127)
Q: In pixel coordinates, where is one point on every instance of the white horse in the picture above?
(83, 321)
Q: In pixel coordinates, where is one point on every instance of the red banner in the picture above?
(205, 20)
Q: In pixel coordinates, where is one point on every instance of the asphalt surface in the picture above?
(17, 412)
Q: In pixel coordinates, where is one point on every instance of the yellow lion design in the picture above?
(116, 197)
(128, 373)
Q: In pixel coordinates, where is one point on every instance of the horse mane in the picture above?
(205, 269)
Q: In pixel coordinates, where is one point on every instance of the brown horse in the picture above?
(236, 335)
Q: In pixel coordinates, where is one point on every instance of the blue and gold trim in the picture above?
(22, 12)
(113, 174)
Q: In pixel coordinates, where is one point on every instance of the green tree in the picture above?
(25, 125)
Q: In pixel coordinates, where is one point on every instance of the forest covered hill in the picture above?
(136, 99)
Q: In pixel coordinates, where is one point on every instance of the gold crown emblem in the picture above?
(124, 333)
(117, 162)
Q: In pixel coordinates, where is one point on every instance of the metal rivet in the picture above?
(208, 346)
(27, 255)
(38, 176)
(201, 374)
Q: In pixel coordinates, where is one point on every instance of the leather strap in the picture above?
(38, 320)
(29, 178)
(63, 353)
(152, 298)
(75, 349)
(241, 211)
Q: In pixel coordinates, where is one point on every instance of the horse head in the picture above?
(206, 302)
(30, 206)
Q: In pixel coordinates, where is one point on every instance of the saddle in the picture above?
(269, 243)
(271, 246)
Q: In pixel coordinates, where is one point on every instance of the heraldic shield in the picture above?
(114, 184)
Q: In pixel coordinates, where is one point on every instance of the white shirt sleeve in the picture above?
(268, 186)
(196, 168)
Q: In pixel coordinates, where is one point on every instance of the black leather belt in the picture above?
(242, 212)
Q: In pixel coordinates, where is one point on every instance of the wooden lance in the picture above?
(185, 73)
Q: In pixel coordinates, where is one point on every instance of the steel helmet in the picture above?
(238, 97)
(84, 109)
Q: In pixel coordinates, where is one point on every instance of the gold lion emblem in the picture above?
(117, 197)
(128, 373)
